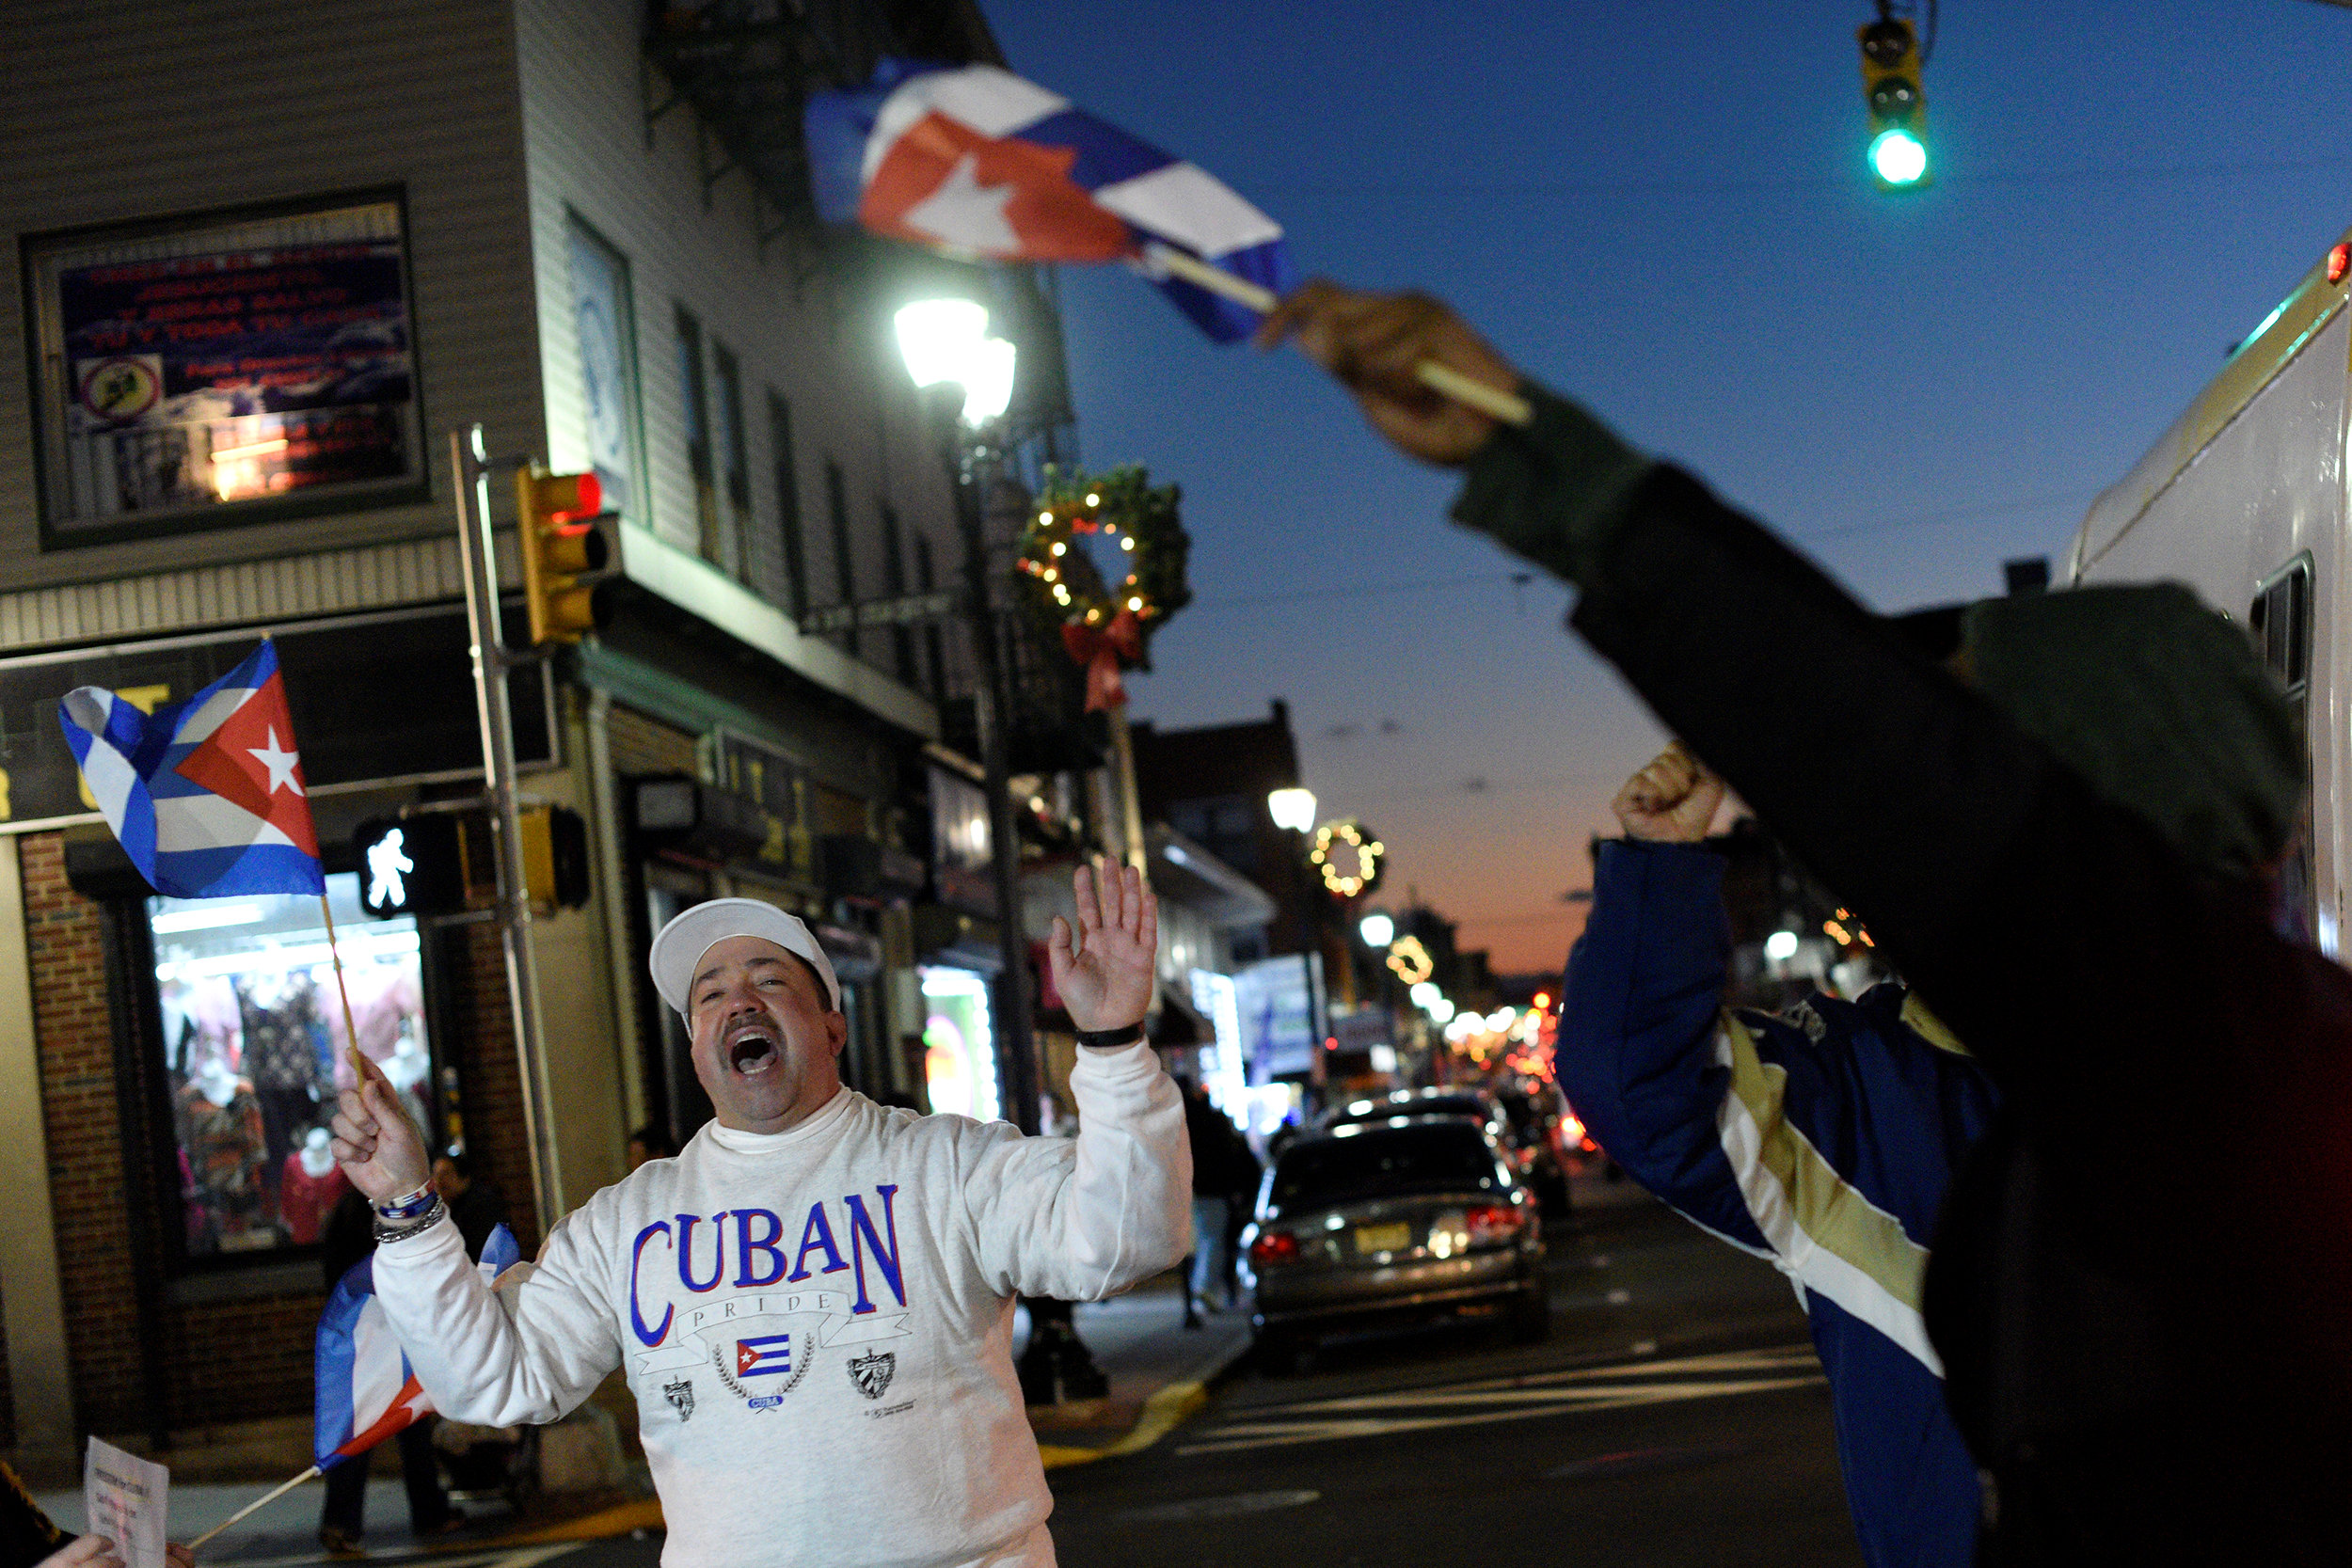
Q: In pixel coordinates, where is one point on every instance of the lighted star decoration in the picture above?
(1348, 856)
(280, 763)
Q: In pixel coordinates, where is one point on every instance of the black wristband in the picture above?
(1105, 1039)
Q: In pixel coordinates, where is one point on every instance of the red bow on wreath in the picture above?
(1102, 650)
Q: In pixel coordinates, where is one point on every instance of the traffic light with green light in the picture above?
(561, 530)
(1899, 109)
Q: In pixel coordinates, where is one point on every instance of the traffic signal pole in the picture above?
(470, 463)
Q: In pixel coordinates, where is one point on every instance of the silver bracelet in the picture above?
(417, 1226)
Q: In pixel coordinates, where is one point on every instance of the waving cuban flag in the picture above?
(207, 795)
(366, 1389)
(974, 160)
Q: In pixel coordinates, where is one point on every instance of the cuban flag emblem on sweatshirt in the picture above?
(977, 162)
(207, 795)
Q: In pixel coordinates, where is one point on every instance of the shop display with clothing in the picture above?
(220, 1132)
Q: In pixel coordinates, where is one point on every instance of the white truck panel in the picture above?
(2238, 506)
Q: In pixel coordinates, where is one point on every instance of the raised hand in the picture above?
(381, 1150)
(1371, 343)
(1103, 968)
(1671, 800)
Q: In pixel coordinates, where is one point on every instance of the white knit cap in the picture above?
(678, 949)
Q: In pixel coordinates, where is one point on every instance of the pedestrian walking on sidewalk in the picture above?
(812, 1302)
(349, 1236)
(2014, 844)
(1223, 1169)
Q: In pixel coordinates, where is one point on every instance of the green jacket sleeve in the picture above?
(1556, 491)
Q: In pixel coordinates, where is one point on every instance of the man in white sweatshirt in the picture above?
(814, 1302)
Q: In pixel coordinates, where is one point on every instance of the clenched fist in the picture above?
(1673, 801)
(380, 1150)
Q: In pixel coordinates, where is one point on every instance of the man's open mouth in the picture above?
(751, 1052)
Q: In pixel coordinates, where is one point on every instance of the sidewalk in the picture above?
(1160, 1372)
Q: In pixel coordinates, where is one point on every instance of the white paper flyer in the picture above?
(125, 1498)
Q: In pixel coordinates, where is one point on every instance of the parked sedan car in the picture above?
(1407, 1219)
(1517, 1121)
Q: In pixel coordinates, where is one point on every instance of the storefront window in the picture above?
(959, 1047)
(253, 1044)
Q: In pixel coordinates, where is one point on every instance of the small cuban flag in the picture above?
(366, 1389)
(206, 795)
(976, 161)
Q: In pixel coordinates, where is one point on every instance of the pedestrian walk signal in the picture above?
(1898, 107)
(434, 863)
(566, 537)
(414, 866)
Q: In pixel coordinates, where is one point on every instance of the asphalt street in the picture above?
(1676, 1416)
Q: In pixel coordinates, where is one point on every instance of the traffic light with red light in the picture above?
(564, 534)
(1898, 108)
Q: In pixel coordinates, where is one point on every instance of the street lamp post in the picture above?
(966, 378)
(947, 349)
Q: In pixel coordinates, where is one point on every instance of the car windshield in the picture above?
(1382, 1162)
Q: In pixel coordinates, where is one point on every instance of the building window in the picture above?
(605, 320)
(253, 1041)
(934, 641)
(844, 563)
(694, 422)
(959, 1045)
(218, 372)
(789, 505)
(894, 583)
(735, 538)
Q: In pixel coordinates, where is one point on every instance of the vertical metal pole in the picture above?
(1129, 806)
(469, 464)
(1016, 1050)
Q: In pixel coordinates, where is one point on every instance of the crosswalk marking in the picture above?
(1612, 1387)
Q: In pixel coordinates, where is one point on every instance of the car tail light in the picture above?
(1493, 1222)
(1274, 1246)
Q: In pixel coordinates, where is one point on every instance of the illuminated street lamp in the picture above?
(1292, 808)
(947, 339)
(1376, 929)
(1781, 947)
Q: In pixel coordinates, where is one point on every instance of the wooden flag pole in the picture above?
(351, 1031)
(1493, 402)
(252, 1507)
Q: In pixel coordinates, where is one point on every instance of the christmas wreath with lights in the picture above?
(1106, 625)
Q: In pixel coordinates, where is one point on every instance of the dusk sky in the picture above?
(1663, 212)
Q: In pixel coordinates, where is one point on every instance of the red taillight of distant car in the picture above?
(1274, 1246)
(1493, 1222)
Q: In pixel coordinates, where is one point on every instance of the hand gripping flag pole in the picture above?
(1493, 402)
(367, 1391)
(976, 162)
(207, 796)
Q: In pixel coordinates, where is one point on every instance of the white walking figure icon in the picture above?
(388, 864)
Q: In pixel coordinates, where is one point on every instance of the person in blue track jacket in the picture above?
(1822, 1139)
